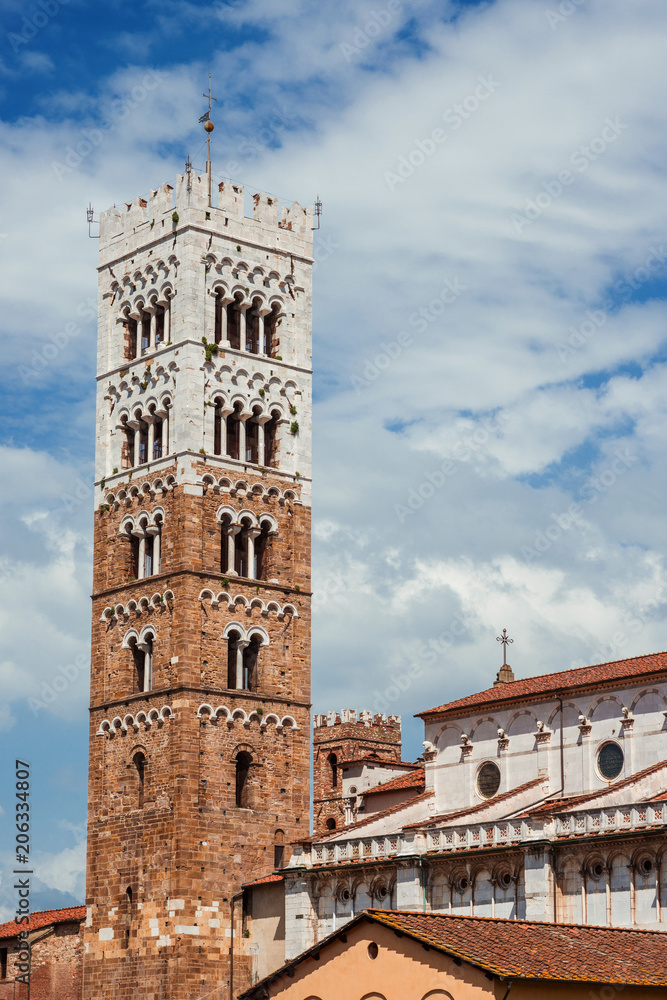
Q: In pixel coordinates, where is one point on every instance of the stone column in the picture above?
(141, 568)
(230, 531)
(242, 419)
(167, 314)
(239, 662)
(145, 648)
(251, 535)
(157, 538)
(165, 433)
(151, 337)
(243, 307)
(151, 440)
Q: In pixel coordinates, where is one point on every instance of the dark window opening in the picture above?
(240, 553)
(157, 440)
(250, 658)
(145, 332)
(610, 761)
(252, 329)
(140, 764)
(148, 555)
(270, 325)
(252, 442)
(217, 430)
(139, 662)
(134, 557)
(488, 780)
(217, 334)
(270, 429)
(261, 544)
(128, 914)
(333, 764)
(3, 963)
(127, 452)
(143, 442)
(159, 326)
(331, 824)
(234, 325)
(243, 762)
(130, 340)
(233, 435)
(232, 659)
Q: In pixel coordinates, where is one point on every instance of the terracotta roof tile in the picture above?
(43, 918)
(550, 684)
(264, 881)
(413, 779)
(470, 810)
(370, 819)
(526, 949)
(566, 804)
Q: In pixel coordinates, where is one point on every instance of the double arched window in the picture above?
(246, 326)
(242, 661)
(141, 648)
(244, 543)
(145, 535)
(145, 435)
(146, 327)
(247, 437)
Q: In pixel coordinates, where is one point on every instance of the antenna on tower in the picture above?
(90, 216)
(208, 127)
(318, 212)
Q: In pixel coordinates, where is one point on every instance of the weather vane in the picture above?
(504, 638)
(208, 126)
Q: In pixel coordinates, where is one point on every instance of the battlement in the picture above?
(169, 209)
(350, 716)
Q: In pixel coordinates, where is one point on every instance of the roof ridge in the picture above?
(470, 810)
(374, 816)
(514, 921)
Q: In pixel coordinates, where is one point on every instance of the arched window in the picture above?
(128, 914)
(234, 322)
(250, 660)
(331, 823)
(218, 428)
(219, 317)
(145, 332)
(271, 343)
(333, 764)
(270, 440)
(159, 326)
(233, 432)
(153, 547)
(139, 761)
(253, 323)
(130, 339)
(234, 661)
(243, 762)
(261, 551)
(252, 438)
(142, 659)
(279, 849)
(127, 447)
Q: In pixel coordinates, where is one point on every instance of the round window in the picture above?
(610, 761)
(488, 780)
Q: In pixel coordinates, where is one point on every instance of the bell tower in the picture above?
(200, 670)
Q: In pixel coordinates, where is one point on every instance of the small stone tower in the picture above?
(200, 673)
(338, 741)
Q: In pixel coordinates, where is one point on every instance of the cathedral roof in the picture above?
(554, 685)
(43, 918)
(413, 779)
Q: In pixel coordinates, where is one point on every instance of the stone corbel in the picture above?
(584, 726)
(627, 722)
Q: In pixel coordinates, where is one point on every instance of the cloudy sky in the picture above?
(490, 326)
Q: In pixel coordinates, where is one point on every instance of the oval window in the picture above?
(488, 780)
(610, 761)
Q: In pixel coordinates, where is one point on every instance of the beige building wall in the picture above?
(406, 970)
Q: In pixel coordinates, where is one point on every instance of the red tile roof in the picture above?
(567, 804)
(516, 949)
(369, 819)
(471, 810)
(264, 881)
(43, 918)
(413, 779)
(548, 685)
(525, 949)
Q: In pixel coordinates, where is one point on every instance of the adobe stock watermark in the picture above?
(42, 358)
(463, 451)
(564, 10)
(581, 159)
(623, 289)
(593, 490)
(454, 117)
(51, 690)
(94, 137)
(369, 32)
(632, 624)
(332, 586)
(450, 290)
(400, 683)
(31, 26)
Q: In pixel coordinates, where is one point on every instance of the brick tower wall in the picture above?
(167, 855)
(349, 736)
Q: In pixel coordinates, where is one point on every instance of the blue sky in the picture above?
(489, 332)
